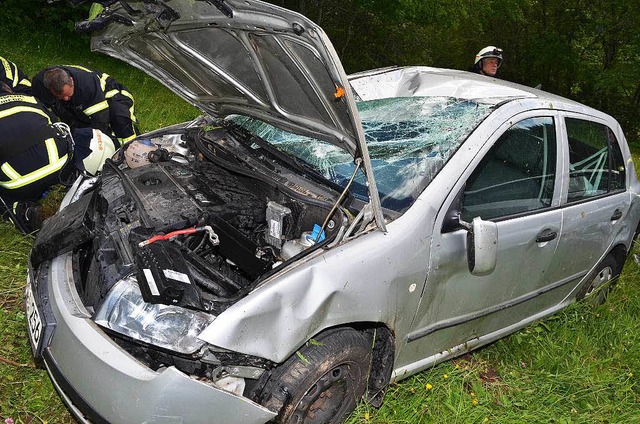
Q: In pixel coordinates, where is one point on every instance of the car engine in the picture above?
(200, 226)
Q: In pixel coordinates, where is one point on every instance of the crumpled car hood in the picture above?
(237, 57)
(250, 58)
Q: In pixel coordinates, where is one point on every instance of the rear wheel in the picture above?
(600, 282)
(323, 381)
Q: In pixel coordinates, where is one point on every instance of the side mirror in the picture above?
(482, 246)
(482, 237)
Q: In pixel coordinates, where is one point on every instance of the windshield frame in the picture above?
(418, 124)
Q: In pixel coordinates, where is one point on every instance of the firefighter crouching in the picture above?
(34, 156)
(82, 97)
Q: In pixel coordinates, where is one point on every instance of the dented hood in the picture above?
(238, 57)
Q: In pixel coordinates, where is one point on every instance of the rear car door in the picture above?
(594, 195)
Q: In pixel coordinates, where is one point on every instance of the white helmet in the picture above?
(489, 51)
(102, 148)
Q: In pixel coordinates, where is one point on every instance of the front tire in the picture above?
(322, 382)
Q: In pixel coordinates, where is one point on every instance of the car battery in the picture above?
(164, 277)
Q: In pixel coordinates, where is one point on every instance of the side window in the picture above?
(596, 166)
(517, 175)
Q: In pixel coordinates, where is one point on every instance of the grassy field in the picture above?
(579, 366)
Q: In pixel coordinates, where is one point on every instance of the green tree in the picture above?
(585, 50)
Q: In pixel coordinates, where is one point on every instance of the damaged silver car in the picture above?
(313, 237)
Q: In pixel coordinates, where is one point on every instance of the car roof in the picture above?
(428, 81)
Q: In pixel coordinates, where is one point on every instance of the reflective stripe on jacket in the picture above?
(92, 99)
(56, 162)
(14, 77)
(25, 124)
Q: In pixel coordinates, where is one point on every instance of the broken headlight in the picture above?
(166, 326)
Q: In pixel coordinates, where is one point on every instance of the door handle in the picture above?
(546, 235)
(617, 214)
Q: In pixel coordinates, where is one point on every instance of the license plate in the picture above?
(34, 321)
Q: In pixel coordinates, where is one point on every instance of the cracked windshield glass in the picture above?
(409, 141)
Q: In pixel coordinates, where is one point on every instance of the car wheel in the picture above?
(323, 381)
(600, 282)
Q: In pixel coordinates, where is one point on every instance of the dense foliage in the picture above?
(587, 50)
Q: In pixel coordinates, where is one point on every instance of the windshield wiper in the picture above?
(292, 162)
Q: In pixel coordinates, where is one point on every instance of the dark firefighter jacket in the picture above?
(14, 77)
(30, 150)
(98, 101)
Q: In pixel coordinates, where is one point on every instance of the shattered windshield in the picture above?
(409, 140)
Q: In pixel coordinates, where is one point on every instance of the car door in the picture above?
(513, 183)
(594, 195)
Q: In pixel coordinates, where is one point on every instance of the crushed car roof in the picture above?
(428, 81)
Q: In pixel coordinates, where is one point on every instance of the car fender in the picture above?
(377, 277)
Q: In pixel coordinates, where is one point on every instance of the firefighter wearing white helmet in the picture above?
(92, 149)
(488, 60)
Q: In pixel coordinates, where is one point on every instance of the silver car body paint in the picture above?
(393, 278)
(118, 387)
(427, 81)
(368, 279)
(412, 278)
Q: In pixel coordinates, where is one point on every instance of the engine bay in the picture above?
(199, 226)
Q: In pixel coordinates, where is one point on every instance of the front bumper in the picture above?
(101, 383)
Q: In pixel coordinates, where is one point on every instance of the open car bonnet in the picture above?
(242, 57)
(239, 57)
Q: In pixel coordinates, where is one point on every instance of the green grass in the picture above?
(32, 51)
(26, 393)
(579, 366)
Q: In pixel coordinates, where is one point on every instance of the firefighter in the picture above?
(31, 157)
(83, 97)
(35, 155)
(14, 77)
(488, 60)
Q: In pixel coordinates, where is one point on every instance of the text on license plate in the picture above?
(34, 322)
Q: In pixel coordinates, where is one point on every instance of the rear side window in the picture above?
(517, 175)
(596, 166)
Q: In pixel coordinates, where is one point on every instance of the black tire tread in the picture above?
(290, 380)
